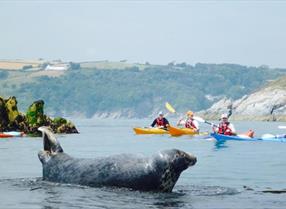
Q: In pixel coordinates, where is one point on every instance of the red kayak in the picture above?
(11, 134)
(2, 135)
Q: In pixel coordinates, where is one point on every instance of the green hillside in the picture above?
(141, 91)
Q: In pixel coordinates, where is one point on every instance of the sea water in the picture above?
(227, 175)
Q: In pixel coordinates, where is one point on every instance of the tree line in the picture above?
(89, 91)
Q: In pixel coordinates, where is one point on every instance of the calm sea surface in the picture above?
(229, 175)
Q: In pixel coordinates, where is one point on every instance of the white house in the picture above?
(58, 66)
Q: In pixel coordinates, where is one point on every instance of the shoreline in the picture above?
(212, 117)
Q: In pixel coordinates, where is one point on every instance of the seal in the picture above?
(157, 173)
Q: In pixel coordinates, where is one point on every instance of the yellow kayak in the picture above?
(150, 131)
(175, 131)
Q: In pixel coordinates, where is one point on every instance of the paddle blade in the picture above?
(199, 119)
(169, 107)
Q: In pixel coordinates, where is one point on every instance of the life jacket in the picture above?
(160, 122)
(190, 124)
(224, 129)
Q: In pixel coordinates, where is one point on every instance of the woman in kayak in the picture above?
(189, 122)
(160, 121)
(225, 127)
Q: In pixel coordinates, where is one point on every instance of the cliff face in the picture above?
(268, 103)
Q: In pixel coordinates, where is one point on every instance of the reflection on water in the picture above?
(48, 195)
(220, 145)
(35, 193)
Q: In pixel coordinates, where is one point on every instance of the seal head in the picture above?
(171, 163)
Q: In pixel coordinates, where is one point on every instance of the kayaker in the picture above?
(160, 121)
(189, 122)
(225, 127)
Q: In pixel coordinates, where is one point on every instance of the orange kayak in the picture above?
(176, 131)
(150, 131)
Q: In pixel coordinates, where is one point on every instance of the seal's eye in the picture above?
(177, 155)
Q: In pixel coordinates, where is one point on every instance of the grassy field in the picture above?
(16, 76)
(19, 64)
(111, 65)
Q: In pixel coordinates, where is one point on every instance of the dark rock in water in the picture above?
(61, 125)
(35, 114)
(12, 120)
(3, 115)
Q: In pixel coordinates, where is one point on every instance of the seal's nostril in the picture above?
(195, 161)
(192, 159)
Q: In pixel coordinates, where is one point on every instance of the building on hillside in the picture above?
(58, 66)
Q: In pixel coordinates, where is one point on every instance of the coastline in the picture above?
(209, 116)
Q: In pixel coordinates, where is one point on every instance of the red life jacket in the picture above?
(160, 122)
(190, 124)
(224, 129)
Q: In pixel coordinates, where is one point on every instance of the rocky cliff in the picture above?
(267, 103)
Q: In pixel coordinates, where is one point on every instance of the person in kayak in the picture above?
(160, 121)
(225, 127)
(189, 122)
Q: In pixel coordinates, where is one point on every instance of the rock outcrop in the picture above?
(268, 103)
(12, 120)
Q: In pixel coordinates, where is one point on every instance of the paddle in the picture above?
(172, 110)
(282, 127)
(170, 107)
(203, 120)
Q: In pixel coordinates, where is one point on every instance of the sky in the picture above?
(251, 33)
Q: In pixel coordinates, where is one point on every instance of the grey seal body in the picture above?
(157, 173)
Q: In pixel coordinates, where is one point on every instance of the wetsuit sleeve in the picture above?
(154, 123)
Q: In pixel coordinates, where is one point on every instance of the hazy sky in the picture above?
(242, 32)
